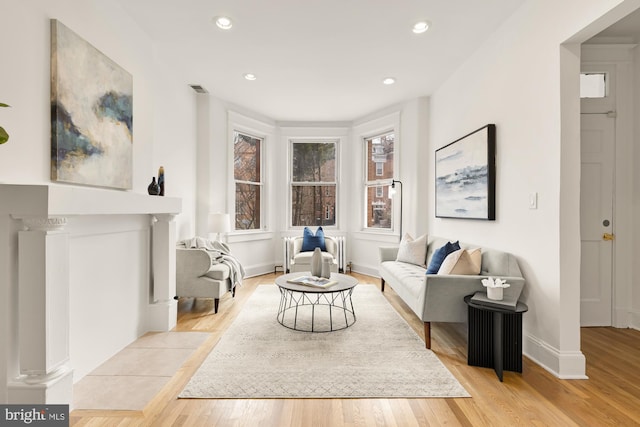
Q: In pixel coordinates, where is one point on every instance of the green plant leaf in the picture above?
(2, 104)
(4, 136)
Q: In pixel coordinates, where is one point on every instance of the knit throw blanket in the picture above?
(222, 253)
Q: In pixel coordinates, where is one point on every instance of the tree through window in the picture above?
(248, 180)
(313, 183)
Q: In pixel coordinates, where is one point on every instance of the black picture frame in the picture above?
(465, 169)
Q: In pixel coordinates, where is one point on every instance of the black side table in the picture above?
(494, 338)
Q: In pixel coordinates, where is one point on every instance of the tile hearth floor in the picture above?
(131, 378)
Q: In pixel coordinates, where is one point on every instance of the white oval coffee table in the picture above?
(311, 309)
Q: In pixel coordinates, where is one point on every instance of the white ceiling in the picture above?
(319, 60)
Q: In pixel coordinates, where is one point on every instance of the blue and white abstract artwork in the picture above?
(465, 176)
(91, 114)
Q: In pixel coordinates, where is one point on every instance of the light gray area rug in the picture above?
(379, 356)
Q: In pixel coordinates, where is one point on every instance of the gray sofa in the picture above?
(440, 298)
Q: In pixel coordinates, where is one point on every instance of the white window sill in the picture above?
(249, 235)
(379, 236)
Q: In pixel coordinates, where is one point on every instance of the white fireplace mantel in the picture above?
(36, 270)
(61, 200)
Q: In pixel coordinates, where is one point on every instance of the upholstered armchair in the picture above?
(299, 260)
(200, 274)
(299, 250)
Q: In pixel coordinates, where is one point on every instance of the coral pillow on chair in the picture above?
(311, 241)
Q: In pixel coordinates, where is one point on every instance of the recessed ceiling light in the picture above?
(421, 27)
(223, 22)
(250, 76)
(388, 81)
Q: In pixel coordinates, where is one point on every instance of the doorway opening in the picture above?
(607, 173)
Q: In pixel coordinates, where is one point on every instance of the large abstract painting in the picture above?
(91, 114)
(466, 176)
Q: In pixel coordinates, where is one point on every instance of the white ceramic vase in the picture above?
(326, 268)
(316, 262)
(494, 293)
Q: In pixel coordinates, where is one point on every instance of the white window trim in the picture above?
(340, 131)
(318, 139)
(377, 182)
(237, 122)
(259, 183)
(362, 132)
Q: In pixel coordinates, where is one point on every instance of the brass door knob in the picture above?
(608, 236)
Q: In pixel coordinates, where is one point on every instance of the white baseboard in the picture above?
(363, 269)
(258, 270)
(625, 318)
(634, 322)
(562, 364)
(621, 318)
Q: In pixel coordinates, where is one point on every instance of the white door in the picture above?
(597, 148)
(596, 218)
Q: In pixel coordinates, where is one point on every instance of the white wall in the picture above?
(514, 80)
(174, 144)
(163, 107)
(164, 134)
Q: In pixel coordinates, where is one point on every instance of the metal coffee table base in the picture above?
(310, 311)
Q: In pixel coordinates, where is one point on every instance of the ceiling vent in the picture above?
(198, 89)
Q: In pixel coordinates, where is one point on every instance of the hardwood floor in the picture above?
(611, 395)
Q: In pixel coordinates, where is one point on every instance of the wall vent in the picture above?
(199, 89)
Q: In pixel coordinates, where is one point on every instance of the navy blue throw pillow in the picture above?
(439, 255)
(311, 241)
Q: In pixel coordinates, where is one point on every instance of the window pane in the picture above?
(246, 162)
(314, 162)
(378, 207)
(247, 207)
(593, 85)
(313, 205)
(380, 157)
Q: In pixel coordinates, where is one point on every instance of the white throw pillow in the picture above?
(460, 262)
(413, 251)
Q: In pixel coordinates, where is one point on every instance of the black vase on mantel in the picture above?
(153, 188)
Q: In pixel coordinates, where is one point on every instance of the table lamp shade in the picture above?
(219, 223)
